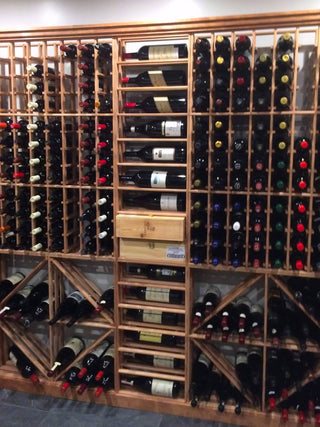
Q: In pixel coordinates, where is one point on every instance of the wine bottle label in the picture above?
(26, 290)
(169, 202)
(176, 252)
(156, 78)
(163, 154)
(158, 179)
(15, 278)
(150, 316)
(162, 104)
(161, 388)
(241, 358)
(163, 362)
(163, 52)
(75, 344)
(167, 272)
(156, 294)
(13, 358)
(171, 128)
(77, 296)
(150, 337)
(204, 360)
(257, 308)
(110, 351)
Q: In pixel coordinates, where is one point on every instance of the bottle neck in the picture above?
(133, 55)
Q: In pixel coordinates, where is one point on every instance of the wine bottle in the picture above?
(156, 361)
(243, 309)
(156, 179)
(67, 354)
(263, 62)
(158, 201)
(158, 78)
(170, 296)
(242, 368)
(243, 43)
(160, 104)
(152, 316)
(105, 363)
(256, 319)
(106, 300)
(273, 378)
(23, 364)
(106, 383)
(16, 301)
(83, 309)
(38, 293)
(68, 306)
(91, 359)
(153, 338)
(160, 52)
(151, 153)
(284, 62)
(154, 386)
(41, 312)
(87, 68)
(222, 44)
(285, 42)
(275, 317)
(38, 88)
(211, 299)
(71, 377)
(70, 51)
(38, 70)
(160, 128)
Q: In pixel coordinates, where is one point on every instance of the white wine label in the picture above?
(241, 358)
(110, 351)
(171, 128)
(162, 104)
(150, 316)
(168, 272)
(75, 344)
(13, 358)
(156, 294)
(77, 296)
(163, 52)
(161, 388)
(163, 362)
(25, 291)
(176, 252)
(158, 179)
(15, 278)
(156, 78)
(163, 154)
(150, 337)
(204, 360)
(169, 202)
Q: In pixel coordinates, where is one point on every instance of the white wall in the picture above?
(21, 14)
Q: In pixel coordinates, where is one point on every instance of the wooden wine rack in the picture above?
(19, 49)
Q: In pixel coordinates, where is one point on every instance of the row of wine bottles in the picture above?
(31, 302)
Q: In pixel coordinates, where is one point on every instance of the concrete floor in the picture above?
(28, 410)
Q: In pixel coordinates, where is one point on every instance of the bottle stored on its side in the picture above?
(156, 179)
(158, 201)
(68, 306)
(160, 104)
(83, 309)
(23, 364)
(7, 285)
(67, 354)
(91, 359)
(154, 386)
(71, 377)
(160, 128)
(159, 52)
(150, 153)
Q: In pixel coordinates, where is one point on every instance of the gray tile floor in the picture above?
(22, 409)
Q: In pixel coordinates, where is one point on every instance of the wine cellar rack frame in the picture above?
(61, 264)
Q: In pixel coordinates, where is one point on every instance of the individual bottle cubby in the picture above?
(199, 228)
(221, 73)
(218, 237)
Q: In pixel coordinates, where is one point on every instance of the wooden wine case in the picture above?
(19, 49)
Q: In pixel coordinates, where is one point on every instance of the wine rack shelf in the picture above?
(84, 158)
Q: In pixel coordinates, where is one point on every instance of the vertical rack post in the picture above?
(116, 46)
(189, 283)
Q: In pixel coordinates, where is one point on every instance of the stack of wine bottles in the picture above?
(202, 62)
(43, 89)
(208, 380)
